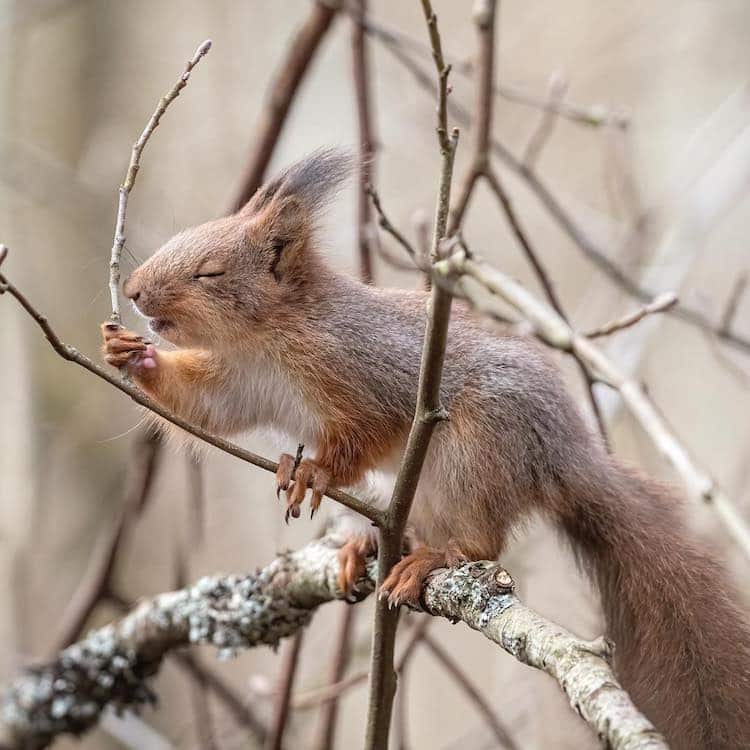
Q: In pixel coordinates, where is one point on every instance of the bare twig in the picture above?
(501, 734)
(197, 504)
(283, 697)
(591, 116)
(428, 413)
(132, 173)
(281, 92)
(549, 291)
(551, 328)
(97, 581)
(71, 354)
(661, 304)
(329, 709)
(362, 93)
(386, 224)
(586, 244)
(542, 132)
(730, 311)
(234, 612)
(202, 717)
(224, 692)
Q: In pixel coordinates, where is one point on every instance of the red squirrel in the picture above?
(269, 335)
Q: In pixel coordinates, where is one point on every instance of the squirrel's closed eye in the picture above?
(208, 274)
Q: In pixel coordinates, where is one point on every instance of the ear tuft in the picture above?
(313, 181)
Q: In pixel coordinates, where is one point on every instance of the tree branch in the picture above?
(281, 93)
(586, 244)
(289, 665)
(428, 413)
(71, 354)
(361, 76)
(132, 173)
(551, 328)
(662, 303)
(111, 665)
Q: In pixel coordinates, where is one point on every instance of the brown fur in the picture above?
(281, 339)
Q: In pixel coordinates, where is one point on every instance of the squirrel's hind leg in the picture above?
(406, 579)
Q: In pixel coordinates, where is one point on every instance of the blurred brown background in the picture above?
(79, 81)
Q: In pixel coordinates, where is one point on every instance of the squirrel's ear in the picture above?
(280, 231)
(313, 181)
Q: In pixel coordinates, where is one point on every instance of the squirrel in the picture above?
(267, 334)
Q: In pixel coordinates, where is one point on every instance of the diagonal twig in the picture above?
(281, 92)
(132, 173)
(71, 354)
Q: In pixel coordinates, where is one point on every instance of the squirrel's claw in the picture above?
(122, 347)
(284, 473)
(405, 581)
(352, 557)
(307, 474)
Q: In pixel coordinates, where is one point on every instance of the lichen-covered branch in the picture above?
(479, 595)
(111, 665)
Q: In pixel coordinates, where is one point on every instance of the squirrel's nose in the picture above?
(131, 290)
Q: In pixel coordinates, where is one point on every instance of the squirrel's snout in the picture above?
(131, 289)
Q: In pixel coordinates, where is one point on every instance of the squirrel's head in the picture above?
(213, 283)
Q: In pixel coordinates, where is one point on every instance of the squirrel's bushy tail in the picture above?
(682, 646)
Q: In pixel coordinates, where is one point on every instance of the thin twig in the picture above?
(280, 95)
(362, 94)
(586, 244)
(71, 354)
(97, 580)
(386, 224)
(197, 501)
(542, 132)
(289, 666)
(427, 415)
(730, 311)
(590, 116)
(551, 328)
(661, 304)
(132, 173)
(329, 709)
(502, 735)
(549, 290)
(202, 717)
(224, 692)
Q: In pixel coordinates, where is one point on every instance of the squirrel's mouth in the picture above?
(159, 325)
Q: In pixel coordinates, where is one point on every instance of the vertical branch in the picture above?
(329, 709)
(484, 17)
(428, 413)
(283, 700)
(361, 75)
(197, 499)
(132, 173)
(202, 719)
(282, 91)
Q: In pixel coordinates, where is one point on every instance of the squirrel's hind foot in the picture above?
(353, 556)
(405, 581)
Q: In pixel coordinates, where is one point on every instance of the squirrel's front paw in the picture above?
(124, 348)
(294, 480)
